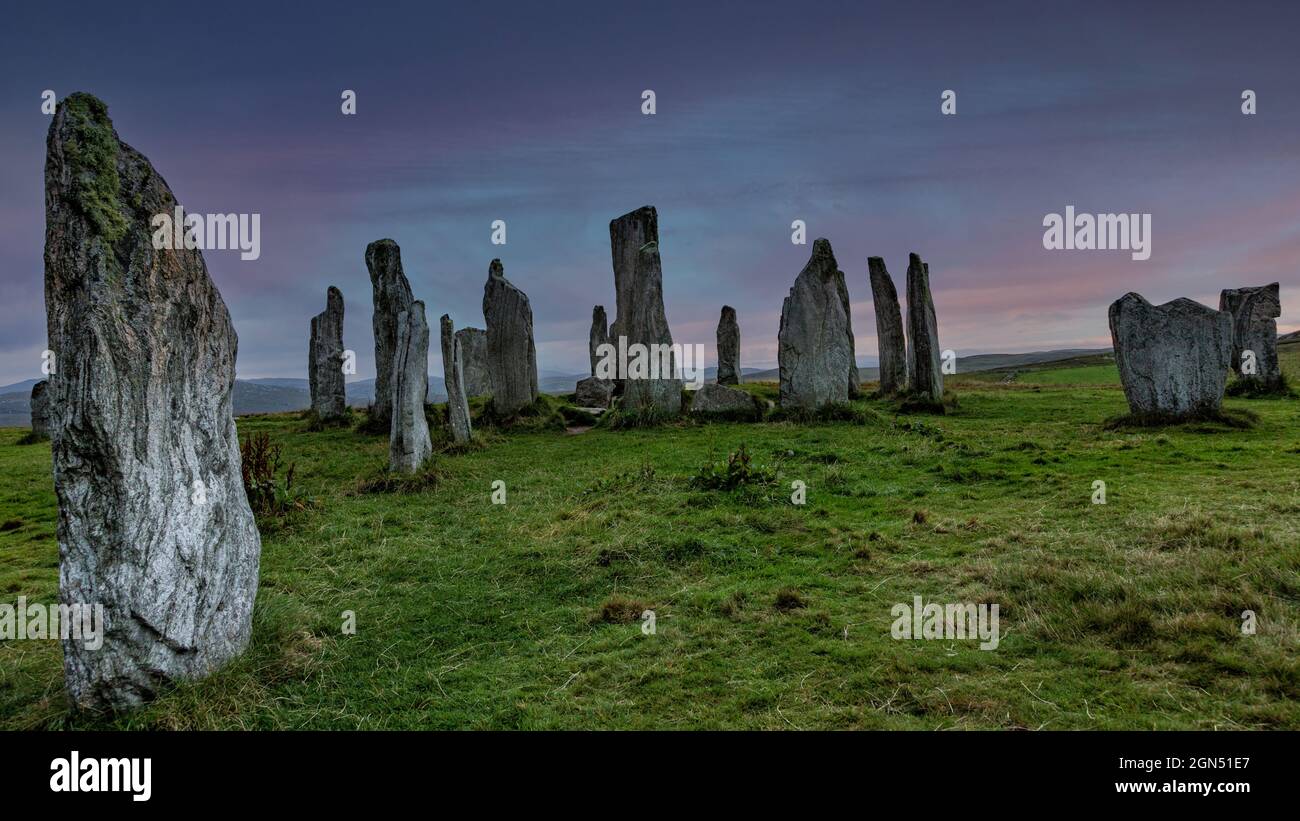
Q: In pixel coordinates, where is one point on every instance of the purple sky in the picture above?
(825, 112)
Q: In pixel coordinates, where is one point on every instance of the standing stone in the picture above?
(889, 329)
(474, 361)
(512, 359)
(728, 347)
(1254, 328)
(40, 410)
(392, 296)
(154, 524)
(457, 406)
(815, 343)
(409, 446)
(599, 335)
(1173, 359)
(329, 399)
(926, 371)
(638, 283)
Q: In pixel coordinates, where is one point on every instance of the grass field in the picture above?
(768, 615)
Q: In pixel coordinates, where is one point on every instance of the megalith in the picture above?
(329, 399)
(926, 369)
(728, 347)
(641, 327)
(409, 446)
(512, 358)
(154, 523)
(457, 405)
(40, 406)
(889, 329)
(474, 361)
(392, 296)
(1173, 358)
(598, 336)
(815, 341)
(1254, 332)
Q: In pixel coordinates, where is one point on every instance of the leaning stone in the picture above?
(474, 361)
(815, 343)
(329, 399)
(457, 406)
(598, 336)
(409, 446)
(649, 384)
(512, 358)
(719, 400)
(728, 347)
(926, 369)
(593, 393)
(1173, 359)
(154, 523)
(40, 406)
(1254, 329)
(392, 296)
(889, 329)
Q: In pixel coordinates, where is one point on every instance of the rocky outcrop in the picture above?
(474, 361)
(815, 342)
(154, 524)
(719, 400)
(1254, 332)
(889, 329)
(599, 334)
(457, 406)
(593, 393)
(1173, 359)
(40, 405)
(638, 283)
(409, 446)
(728, 347)
(512, 359)
(329, 400)
(392, 296)
(925, 372)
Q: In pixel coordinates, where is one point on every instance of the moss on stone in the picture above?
(92, 158)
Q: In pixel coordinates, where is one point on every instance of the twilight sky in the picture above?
(767, 112)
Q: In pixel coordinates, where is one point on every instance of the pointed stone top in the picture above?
(445, 321)
(599, 310)
(875, 262)
(728, 310)
(914, 259)
(383, 254)
(822, 248)
(496, 270)
(332, 293)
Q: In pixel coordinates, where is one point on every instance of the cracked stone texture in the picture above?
(1254, 328)
(457, 406)
(154, 523)
(815, 341)
(638, 285)
(925, 370)
(1173, 358)
(512, 358)
(409, 446)
(325, 359)
(889, 328)
(474, 361)
(728, 347)
(392, 296)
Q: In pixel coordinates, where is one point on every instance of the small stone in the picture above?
(40, 405)
(593, 393)
(329, 398)
(889, 329)
(474, 361)
(728, 347)
(457, 406)
(926, 369)
(409, 446)
(720, 400)
(1254, 328)
(599, 335)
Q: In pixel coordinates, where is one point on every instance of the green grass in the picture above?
(768, 615)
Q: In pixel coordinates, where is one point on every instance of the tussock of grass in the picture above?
(1233, 418)
(383, 480)
(315, 424)
(621, 610)
(1260, 389)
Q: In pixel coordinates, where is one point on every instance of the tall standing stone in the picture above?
(889, 329)
(457, 406)
(329, 398)
(392, 296)
(474, 368)
(926, 371)
(815, 342)
(40, 406)
(598, 336)
(1173, 359)
(154, 524)
(512, 359)
(728, 347)
(1254, 329)
(638, 285)
(409, 446)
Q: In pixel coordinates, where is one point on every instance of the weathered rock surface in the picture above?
(889, 328)
(815, 342)
(638, 285)
(154, 524)
(1254, 328)
(925, 373)
(728, 347)
(392, 296)
(719, 400)
(40, 406)
(599, 335)
(512, 359)
(329, 399)
(409, 446)
(474, 361)
(1173, 359)
(457, 406)
(593, 393)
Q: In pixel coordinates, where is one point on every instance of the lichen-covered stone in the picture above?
(329, 399)
(474, 361)
(815, 341)
(457, 406)
(1173, 358)
(392, 296)
(409, 446)
(40, 406)
(925, 371)
(638, 284)
(154, 524)
(593, 393)
(1254, 329)
(728, 337)
(720, 400)
(889, 329)
(512, 358)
